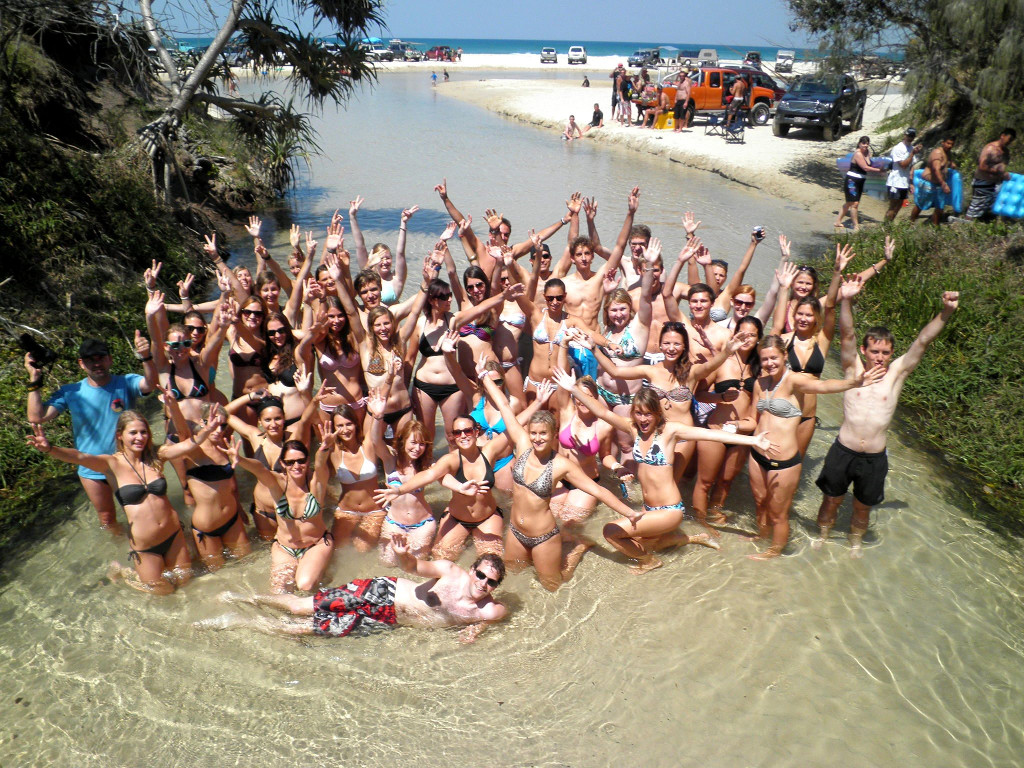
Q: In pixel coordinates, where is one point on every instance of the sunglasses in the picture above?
(196, 328)
(474, 286)
(741, 303)
(293, 462)
(555, 297)
(492, 583)
(276, 331)
(179, 344)
(252, 313)
(465, 431)
(444, 297)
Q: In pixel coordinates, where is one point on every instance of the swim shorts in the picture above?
(983, 197)
(866, 471)
(897, 193)
(928, 195)
(853, 187)
(361, 607)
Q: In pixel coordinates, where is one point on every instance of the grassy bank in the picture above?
(967, 396)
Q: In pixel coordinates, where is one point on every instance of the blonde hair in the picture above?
(377, 255)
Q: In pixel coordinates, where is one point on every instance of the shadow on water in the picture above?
(53, 504)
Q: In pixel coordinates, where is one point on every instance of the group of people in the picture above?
(932, 194)
(559, 383)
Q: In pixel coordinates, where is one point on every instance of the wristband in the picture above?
(35, 386)
(564, 221)
(144, 359)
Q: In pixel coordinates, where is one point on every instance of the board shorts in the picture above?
(361, 607)
(928, 195)
(853, 188)
(983, 197)
(679, 110)
(897, 193)
(866, 471)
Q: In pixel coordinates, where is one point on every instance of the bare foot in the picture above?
(768, 554)
(573, 557)
(116, 571)
(819, 542)
(857, 553)
(706, 540)
(227, 621)
(645, 564)
(717, 517)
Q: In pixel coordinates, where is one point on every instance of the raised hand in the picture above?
(335, 237)
(703, 255)
(590, 207)
(493, 218)
(230, 448)
(653, 251)
(738, 340)
(303, 379)
(545, 390)
(336, 218)
(564, 379)
(890, 248)
(464, 225)
(505, 255)
(310, 245)
(185, 286)
(142, 345)
(513, 292)
(408, 214)
(377, 401)
(313, 290)
(323, 392)
(450, 340)
(223, 284)
(844, 255)
(574, 202)
(328, 436)
(950, 300)
(870, 376)
(784, 246)
(786, 274)
(472, 488)
(228, 310)
(634, 200)
(38, 439)
(610, 281)
(851, 287)
(396, 366)
(254, 226)
(155, 303)
(442, 189)
(353, 206)
(690, 223)
(153, 272)
(294, 235)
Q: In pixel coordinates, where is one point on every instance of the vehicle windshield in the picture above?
(813, 86)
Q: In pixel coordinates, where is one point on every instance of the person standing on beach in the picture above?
(681, 114)
(990, 174)
(931, 193)
(858, 455)
(853, 183)
(446, 76)
(898, 183)
(95, 404)
(433, 79)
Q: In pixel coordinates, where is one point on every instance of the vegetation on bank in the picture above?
(966, 398)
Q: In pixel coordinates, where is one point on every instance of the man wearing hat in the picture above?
(95, 403)
(898, 182)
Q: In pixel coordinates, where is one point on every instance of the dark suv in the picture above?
(645, 57)
(821, 101)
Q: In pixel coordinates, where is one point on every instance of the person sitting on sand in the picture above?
(453, 597)
(572, 131)
(597, 120)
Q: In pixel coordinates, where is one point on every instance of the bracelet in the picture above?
(423, 288)
(564, 222)
(403, 229)
(144, 359)
(35, 386)
(875, 267)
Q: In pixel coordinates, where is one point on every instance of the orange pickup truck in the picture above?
(711, 85)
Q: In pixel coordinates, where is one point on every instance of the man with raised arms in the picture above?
(452, 597)
(858, 454)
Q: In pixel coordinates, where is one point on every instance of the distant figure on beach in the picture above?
(660, 108)
(853, 182)
(930, 194)
(596, 121)
(898, 183)
(990, 174)
(458, 53)
(433, 78)
(446, 75)
(232, 84)
(572, 131)
(681, 115)
(452, 598)
(858, 455)
(586, 84)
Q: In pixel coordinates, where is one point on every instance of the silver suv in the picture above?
(548, 55)
(577, 55)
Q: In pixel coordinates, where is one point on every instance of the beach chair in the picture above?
(715, 126)
(733, 133)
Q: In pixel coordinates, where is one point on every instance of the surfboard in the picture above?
(1010, 200)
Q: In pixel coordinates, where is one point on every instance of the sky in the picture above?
(744, 22)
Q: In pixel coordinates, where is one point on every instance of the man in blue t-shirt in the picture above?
(95, 404)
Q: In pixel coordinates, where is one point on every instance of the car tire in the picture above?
(834, 130)
(690, 112)
(858, 120)
(760, 113)
(779, 128)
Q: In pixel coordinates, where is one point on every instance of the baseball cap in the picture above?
(911, 132)
(92, 347)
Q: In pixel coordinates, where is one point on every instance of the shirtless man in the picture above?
(572, 131)
(452, 598)
(934, 178)
(738, 91)
(659, 109)
(585, 288)
(858, 454)
(681, 114)
(990, 174)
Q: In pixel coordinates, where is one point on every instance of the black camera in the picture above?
(41, 354)
(759, 233)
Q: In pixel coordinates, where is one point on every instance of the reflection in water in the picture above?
(910, 656)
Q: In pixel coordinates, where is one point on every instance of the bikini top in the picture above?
(286, 377)
(515, 319)
(260, 455)
(542, 485)
(427, 349)
(211, 473)
(498, 428)
(330, 364)
(488, 472)
(655, 456)
(310, 510)
(395, 479)
(367, 471)
(387, 292)
(199, 388)
(727, 384)
(675, 395)
(778, 406)
(717, 314)
(137, 493)
(630, 351)
(482, 332)
(540, 333)
(815, 363)
(568, 440)
(239, 361)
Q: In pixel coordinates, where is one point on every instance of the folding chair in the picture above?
(715, 126)
(733, 133)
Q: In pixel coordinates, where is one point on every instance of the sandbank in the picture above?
(800, 168)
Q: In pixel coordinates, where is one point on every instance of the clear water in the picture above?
(910, 656)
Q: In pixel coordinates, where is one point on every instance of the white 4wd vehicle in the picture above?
(577, 55)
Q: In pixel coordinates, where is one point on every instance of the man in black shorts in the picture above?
(858, 454)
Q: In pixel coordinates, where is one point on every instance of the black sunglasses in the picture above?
(252, 313)
(492, 583)
(465, 431)
(293, 462)
(196, 328)
(555, 297)
(275, 331)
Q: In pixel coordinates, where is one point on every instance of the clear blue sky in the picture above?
(740, 22)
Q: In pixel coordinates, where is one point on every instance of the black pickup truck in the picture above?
(821, 102)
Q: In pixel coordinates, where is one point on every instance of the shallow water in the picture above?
(909, 656)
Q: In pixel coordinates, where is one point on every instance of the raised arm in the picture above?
(632, 203)
(518, 435)
(847, 335)
(400, 266)
(333, 261)
(291, 309)
(38, 441)
(725, 297)
(362, 256)
(210, 249)
(928, 334)
(567, 382)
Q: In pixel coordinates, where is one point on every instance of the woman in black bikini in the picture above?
(534, 536)
(281, 366)
(247, 344)
(303, 544)
(136, 471)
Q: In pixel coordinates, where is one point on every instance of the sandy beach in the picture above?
(800, 169)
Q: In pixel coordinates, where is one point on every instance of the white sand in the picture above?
(800, 168)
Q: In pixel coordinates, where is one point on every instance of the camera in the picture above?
(759, 233)
(41, 354)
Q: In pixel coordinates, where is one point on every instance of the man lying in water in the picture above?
(453, 597)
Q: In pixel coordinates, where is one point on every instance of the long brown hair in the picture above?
(401, 456)
(681, 369)
(647, 400)
(396, 340)
(149, 454)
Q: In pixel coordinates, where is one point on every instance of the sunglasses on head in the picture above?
(492, 583)
(179, 344)
(805, 268)
(463, 431)
(292, 462)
